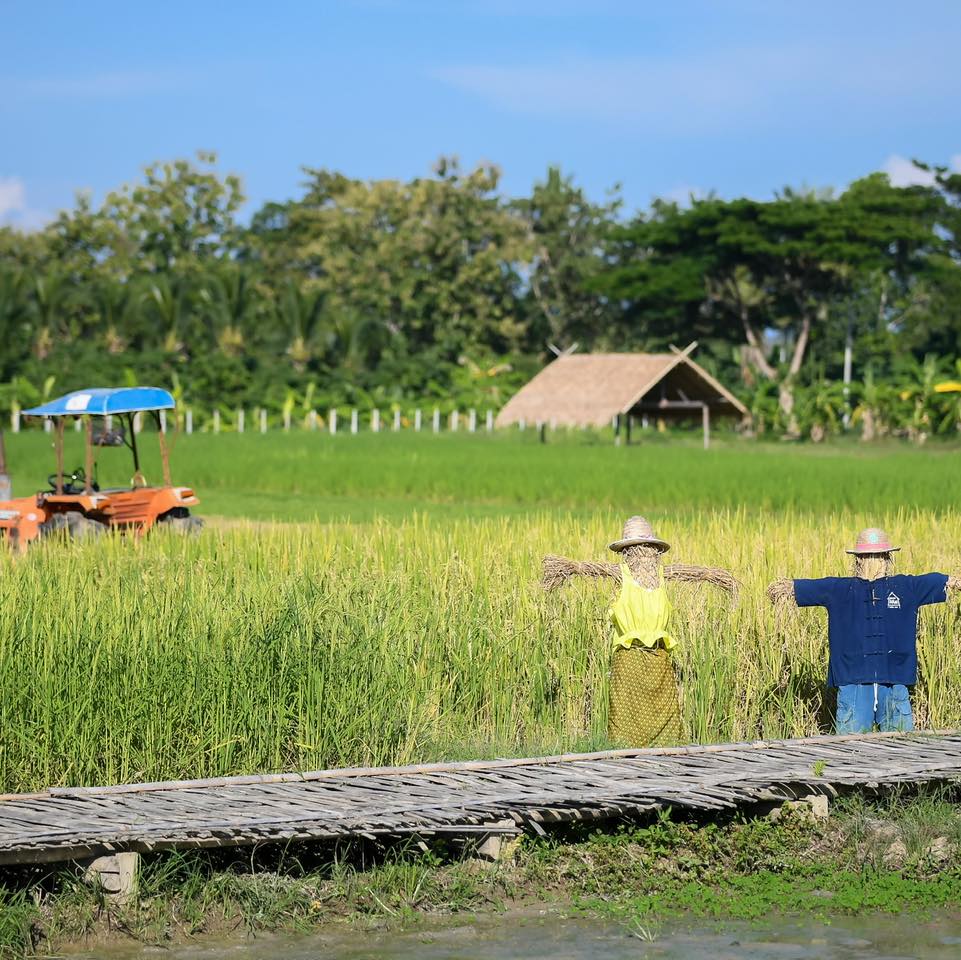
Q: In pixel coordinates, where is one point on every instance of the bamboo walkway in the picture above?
(477, 797)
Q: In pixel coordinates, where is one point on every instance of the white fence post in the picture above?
(397, 418)
(163, 420)
(286, 420)
(333, 421)
(15, 421)
(77, 425)
(454, 418)
(312, 420)
(489, 421)
(137, 424)
(240, 420)
(47, 425)
(472, 420)
(353, 420)
(417, 418)
(521, 423)
(436, 420)
(263, 419)
(216, 421)
(188, 421)
(375, 421)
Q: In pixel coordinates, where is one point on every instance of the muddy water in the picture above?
(550, 937)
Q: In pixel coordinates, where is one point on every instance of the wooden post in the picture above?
(617, 430)
(164, 454)
(58, 445)
(163, 420)
(333, 420)
(88, 454)
(47, 425)
(521, 424)
(706, 422)
(116, 875)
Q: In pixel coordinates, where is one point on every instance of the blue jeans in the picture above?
(862, 705)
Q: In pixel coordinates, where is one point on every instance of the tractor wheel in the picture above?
(185, 526)
(58, 523)
(83, 528)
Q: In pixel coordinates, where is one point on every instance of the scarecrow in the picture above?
(872, 632)
(644, 704)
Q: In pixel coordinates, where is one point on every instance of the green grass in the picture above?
(303, 476)
(418, 629)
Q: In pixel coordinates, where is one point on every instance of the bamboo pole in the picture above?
(58, 445)
(88, 454)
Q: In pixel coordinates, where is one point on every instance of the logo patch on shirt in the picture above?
(894, 601)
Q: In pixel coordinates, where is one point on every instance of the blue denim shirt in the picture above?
(872, 624)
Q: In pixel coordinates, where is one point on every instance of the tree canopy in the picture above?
(443, 288)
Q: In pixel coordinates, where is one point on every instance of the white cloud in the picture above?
(14, 209)
(903, 173)
(13, 197)
(730, 88)
(106, 85)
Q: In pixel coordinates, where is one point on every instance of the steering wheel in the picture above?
(72, 482)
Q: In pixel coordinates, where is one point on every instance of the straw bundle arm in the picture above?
(954, 583)
(781, 591)
(558, 570)
(688, 573)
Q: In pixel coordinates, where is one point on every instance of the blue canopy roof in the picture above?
(101, 401)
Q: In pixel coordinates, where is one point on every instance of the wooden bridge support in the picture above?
(116, 875)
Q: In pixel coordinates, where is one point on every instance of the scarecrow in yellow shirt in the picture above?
(644, 703)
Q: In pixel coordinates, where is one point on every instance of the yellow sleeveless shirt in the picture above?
(640, 615)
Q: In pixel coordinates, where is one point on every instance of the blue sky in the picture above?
(739, 96)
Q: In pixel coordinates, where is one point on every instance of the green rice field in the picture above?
(375, 599)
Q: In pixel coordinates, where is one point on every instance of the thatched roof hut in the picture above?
(594, 389)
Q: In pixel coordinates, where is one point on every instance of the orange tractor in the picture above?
(74, 504)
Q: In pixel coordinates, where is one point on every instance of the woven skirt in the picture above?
(644, 707)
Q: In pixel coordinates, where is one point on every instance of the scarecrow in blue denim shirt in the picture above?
(872, 632)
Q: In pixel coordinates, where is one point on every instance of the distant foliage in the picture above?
(441, 288)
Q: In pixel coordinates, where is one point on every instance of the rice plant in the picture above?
(266, 647)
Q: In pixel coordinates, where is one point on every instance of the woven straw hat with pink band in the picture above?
(873, 540)
(637, 532)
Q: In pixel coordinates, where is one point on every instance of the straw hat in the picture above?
(873, 540)
(638, 531)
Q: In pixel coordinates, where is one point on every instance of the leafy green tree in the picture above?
(568, 235)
